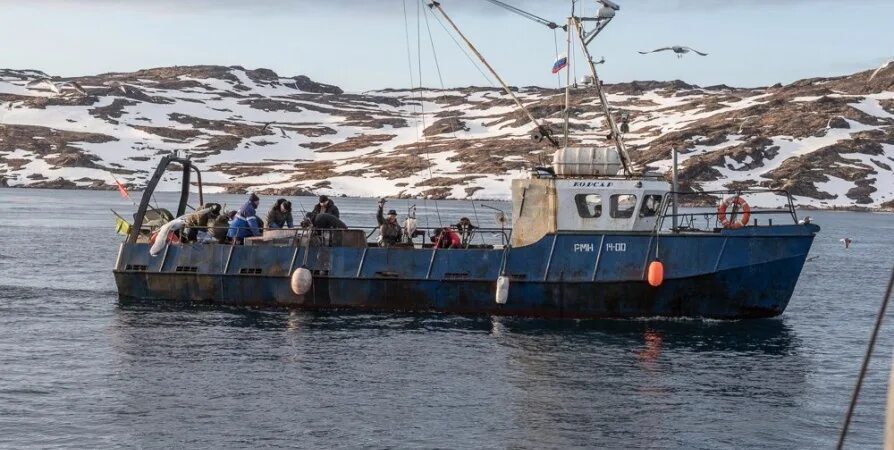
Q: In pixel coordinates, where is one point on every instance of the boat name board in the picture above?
(592, 184)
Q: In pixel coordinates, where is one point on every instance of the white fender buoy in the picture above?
(502, 289)
(161, 239)
(301, 281)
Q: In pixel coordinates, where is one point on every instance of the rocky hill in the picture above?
(830, 141)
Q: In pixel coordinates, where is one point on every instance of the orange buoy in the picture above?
(656, 273)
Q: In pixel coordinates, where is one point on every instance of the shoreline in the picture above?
(853, 208)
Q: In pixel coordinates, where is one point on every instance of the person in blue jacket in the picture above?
(246, 223)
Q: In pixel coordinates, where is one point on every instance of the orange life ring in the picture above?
(730, 222)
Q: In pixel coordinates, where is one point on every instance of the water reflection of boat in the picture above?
(591, 237)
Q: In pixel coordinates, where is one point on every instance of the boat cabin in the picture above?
(582, 193)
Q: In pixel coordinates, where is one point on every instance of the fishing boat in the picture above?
(591, 236)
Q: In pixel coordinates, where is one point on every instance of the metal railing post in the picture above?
(676, 188)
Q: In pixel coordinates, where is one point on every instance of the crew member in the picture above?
(326, 221)
(219, 226)
(326, 206)
(246, 223)
(446, 238)
(198, 220)
(465, 229)
(280, 215)
(389, 228)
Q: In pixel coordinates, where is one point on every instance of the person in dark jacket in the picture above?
(280, 215)
(389, 228)
(466, 230)
(198, 220)
(325, 228)
(326, 206)
(326, 221)
(220, 225)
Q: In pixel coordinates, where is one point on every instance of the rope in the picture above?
(465, 52)
(441, 81)
(525, 14)
(421, 134)
(478, 221)
(865, 366)
(407, 33)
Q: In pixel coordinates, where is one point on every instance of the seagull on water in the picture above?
(678, 49)
(880, 68)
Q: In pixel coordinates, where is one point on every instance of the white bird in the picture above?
(678, 49)
(114, 84)
(880, 68)
(74, 86)
(42, 84)
(846, 241)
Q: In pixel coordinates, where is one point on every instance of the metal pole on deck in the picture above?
(568, 53)
(675, 188)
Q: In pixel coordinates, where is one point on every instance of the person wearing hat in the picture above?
(389, 228)
(246, 223)
(326, 206)
(280, 215)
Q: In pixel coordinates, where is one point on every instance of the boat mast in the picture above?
(568, 53)
(542, 130)
(604, 16)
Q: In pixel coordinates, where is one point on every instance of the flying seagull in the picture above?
(115, 84)
(42, 84)
(880, 68)
(679, 50)
(73, 85)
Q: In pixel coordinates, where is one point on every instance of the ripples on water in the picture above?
(81, 370)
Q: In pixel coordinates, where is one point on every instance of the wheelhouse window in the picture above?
(621, 206)
(588, 205)
(651, 205)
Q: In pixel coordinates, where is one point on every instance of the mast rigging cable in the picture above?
(549, 23)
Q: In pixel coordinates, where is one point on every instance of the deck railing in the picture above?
(710, 219)
(479, 237)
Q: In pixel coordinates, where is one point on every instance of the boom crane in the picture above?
(542, 132)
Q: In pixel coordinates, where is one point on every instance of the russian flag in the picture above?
(560, 63)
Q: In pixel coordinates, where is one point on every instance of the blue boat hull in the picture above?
(731, 274)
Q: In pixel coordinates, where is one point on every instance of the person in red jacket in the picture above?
(446, 238)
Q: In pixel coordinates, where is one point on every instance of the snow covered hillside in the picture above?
(830, 141)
